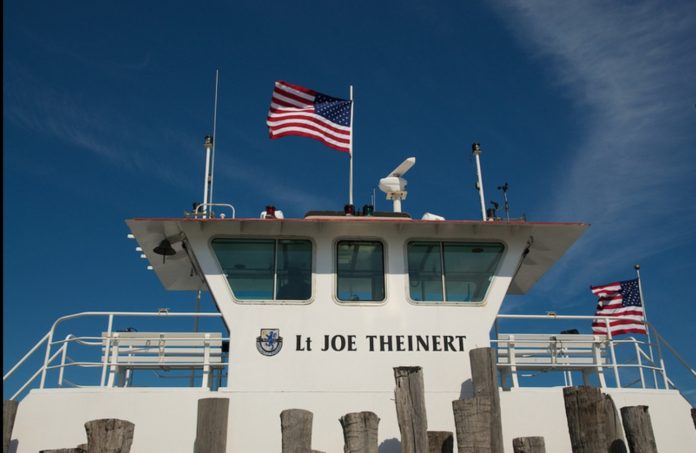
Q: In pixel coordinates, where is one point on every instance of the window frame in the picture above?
(276, 239)
(385, 272)
(441, 242)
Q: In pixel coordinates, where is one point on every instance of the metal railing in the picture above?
(57, 358)
(626, 358)
(204, 209)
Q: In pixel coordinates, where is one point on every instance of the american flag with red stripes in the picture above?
(619, 299)
(296, 110)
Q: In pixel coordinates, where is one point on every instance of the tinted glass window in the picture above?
(266, 269)
(462, 272)
(360, 271)
(294, 270)
(425, 271)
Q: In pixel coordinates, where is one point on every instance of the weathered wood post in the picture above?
(585, 413)
(410, 409)
(612, 426)
(64, 450)
(360, 432)
(211, 425)
(440, 442)
(472, 420)
(296, 431)
(478, 422)
(528, 445)
(639, 432)
(9, 412)
(109, 435)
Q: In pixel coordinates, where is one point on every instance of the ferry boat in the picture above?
(315, 313)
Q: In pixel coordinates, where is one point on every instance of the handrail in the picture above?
(675, 353)
(206, 205)
(35, 375)
(642, 362)
(26, 356)
(62, 344)
(556, 316)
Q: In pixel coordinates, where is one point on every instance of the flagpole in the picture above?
(350, 156)
(645, 319)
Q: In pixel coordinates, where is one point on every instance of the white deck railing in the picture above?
(629, 360)
(123, 352)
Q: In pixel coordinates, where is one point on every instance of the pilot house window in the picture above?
(451, 271)
(360, 271)
(266, 269)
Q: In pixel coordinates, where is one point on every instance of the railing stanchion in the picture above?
(613, 353)
(107, 346)
(640, 362)
(63, 356)
(46, 358)
(662, 363)
(205, 383)
(652, 359)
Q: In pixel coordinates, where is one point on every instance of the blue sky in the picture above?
(587, 110)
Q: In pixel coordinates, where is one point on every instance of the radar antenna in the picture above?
(394, 185)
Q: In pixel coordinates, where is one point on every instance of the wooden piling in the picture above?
(528, 445)
(64, 450)
(472, 419)
(639, 432)
(410, 409)
(360, 432)
(109, 435)
(440, 442)
(296, 431)
(612, 426)
(585, 415)
(484, 376)
(9, 412)
(211, 425)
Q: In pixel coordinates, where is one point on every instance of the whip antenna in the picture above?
(209, 145)
(504, 188)
(212, 163)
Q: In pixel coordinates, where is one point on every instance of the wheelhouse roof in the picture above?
(550, 240)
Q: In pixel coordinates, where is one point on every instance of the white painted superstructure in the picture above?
(336, 355)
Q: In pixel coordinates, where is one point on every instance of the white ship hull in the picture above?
(165, 419)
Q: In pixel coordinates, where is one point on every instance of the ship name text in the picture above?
(382, 343)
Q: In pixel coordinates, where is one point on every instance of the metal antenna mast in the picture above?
(476, 151)
(210, 160)
(212, 163)
(504, 188)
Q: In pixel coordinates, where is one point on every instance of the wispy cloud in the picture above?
(102, 132)
(628, 67)
(85, 125)
(256, 181)
(42, 109)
